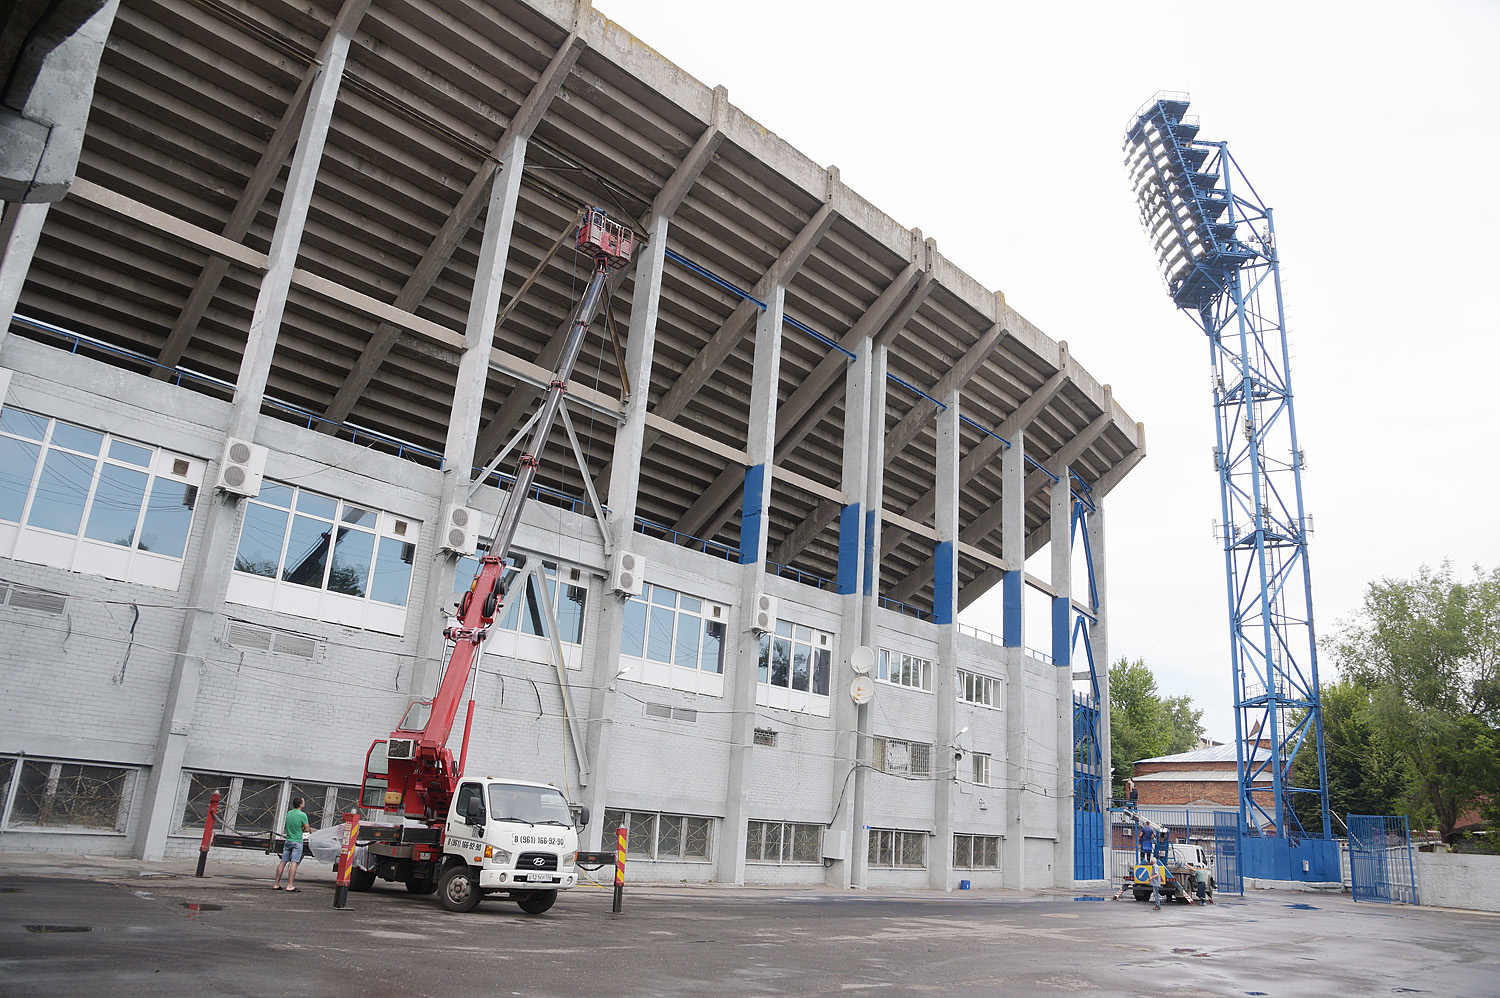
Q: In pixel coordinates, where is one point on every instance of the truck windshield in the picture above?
(536, 805)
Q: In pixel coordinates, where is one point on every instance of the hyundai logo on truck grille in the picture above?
(539, 861)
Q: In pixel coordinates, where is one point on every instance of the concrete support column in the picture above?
(468, 402)
(760, 444)
(1062, 619)
(848, 718)
(1099, 644)
(624, 489)
(1013, 592)
(945, 614)
(869, 597)
(209, 573)
(20, 229)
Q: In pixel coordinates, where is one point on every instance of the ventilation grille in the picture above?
(26, 598)
(249, 638)
(665, 712)
(766, 737)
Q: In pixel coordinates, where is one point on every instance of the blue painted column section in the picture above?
(1013, 540)
(944, 582)
(872, 554)
(849, 539)
(1062, 613)
(752, 519)
(1011, 609)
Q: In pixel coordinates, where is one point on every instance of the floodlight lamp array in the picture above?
(1182, 208)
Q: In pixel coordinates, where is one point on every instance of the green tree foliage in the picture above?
(1142, 723)
(1365, 774)
(1427, 652)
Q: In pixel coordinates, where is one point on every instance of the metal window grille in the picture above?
(976, 852)
(891, 849)
(252, 806)
(50, 794)
(662, 836)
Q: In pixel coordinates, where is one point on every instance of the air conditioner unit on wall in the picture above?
(626, 570)
(460, 529)
(763, 613)
(242, 467)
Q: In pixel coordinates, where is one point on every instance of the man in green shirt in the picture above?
(297, 826)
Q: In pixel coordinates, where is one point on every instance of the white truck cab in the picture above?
(510, 838)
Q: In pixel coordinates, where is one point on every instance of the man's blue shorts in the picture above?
(291, 852)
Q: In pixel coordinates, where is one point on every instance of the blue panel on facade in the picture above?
(871, 555)
(848, 580)
(1061, 652)
(1010, 616)
(753, 514)
(944, 582)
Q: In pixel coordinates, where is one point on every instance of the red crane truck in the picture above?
(469, 837)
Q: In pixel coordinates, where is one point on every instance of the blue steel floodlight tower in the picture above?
(1215, 243)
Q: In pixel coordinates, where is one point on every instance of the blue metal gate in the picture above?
(1380, 861)
(1227, 852)
(1088, 816)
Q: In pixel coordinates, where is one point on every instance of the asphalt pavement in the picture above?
(124, 928)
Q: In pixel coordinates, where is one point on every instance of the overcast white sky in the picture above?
(1370, 128)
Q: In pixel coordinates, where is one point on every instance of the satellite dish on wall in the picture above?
(861, 659)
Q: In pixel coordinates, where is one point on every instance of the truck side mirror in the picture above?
(580, 815)
(474, 811)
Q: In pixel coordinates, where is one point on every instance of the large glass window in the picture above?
(982, 691)
(901, 669)
(678, 639)
(251, 806)
(316, 556)
(85, 500)
(783, 842)
(662, 837)
(797, 659)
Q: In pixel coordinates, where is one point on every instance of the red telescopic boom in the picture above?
(421, 772)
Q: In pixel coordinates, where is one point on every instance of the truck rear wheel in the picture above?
(361, 880)
(459, 888)
(1142, 895)
(536, 902)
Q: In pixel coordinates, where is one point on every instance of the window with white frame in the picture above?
(981, 768)
(45, 795)
(675, 640)
(252, 806)
(794, 669)
(893, 849)
(663, 837)
(311, 555)
(783, 842)
(982, 691)
(976, 852)
(901, 758)
(91, 502)
(521, 629)
(902, 669)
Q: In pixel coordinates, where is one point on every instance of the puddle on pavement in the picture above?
(1091, 897)
(1303, 907)
(200, 906)
(59, 928)
(11, 890)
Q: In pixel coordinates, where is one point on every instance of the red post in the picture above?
(208, 832)
(346, 859)
(620, 834)
(463, 753)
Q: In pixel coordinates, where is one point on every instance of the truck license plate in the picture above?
(540, 878)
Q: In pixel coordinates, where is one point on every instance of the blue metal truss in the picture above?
(1089, 773)
(1217, 246)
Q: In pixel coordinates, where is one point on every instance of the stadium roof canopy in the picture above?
(196, 111)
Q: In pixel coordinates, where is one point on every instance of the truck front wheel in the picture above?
(459, 888)
(536, 902)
